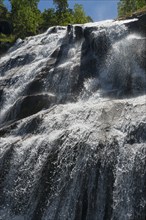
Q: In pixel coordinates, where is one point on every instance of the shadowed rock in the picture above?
(79, 32)
(29, 105)
(138, 26)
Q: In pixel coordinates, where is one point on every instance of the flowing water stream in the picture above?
(73, 125)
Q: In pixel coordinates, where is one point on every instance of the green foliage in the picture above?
(7, 39)
(3, 10)
(61, 5)
(51, 18)
(79, 15)
(48, 19)
(6, 42)
(63, 13)
(1, 2)
(25, 17)
(68, 16)
(64, 18)
(126, 7)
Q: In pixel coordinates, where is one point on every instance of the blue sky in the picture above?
(98, 10)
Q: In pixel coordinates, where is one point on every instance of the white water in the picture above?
(84, 157)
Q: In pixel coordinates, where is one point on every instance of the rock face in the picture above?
(138, 26)
(73, 124)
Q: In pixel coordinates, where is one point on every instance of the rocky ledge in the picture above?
(139, 25)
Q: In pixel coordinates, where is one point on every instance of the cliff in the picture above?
(73, 124)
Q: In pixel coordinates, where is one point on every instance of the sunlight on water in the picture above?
(72, 125)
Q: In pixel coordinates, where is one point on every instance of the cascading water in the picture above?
(73, 125)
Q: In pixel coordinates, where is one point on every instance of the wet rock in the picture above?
(55, 53)
(31, 127)
(6, 130)
(35, 87)
(18, 61)
(5, 165)
(137, 134)
(79, 32)
(141, 52)
(29, 105)
(88, 31)
(69, 28)
(138, 26)
(1, 93)
(83, 160)
(100, 44)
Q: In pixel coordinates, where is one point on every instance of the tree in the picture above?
(61, 5)
(62, 12)
(80, 15)
(64, 15)
(1, 2)
(48, 19)
(128, 6)
(25, 17)
(140, 3)
(3, 10)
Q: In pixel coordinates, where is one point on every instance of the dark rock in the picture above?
(55, 53)
(38, 84)
(78, 32)
(88, 31)
(6, 130)
(69, 28)
(27, 128)
(29, 105)
(94, 49)
(52, 30)
(45, 184)
(137, 134)
(35, 87)
(70, 33)
(18, 61)
(4, 47)
(31, 127)
(138, 26)
(141, 53)
(100, 44)
(1, 93)
(5, 165)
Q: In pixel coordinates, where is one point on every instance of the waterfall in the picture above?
(73, 125)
